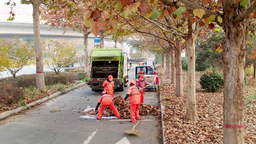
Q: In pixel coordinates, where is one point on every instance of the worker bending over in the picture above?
(134, 96)
(106, 100)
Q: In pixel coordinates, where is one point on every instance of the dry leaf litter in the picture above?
(209, 125)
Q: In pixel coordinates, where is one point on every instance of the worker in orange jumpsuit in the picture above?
(156, 79)
(106, 100)
(109, 85)
(140, 73)
(141, 84)
(134, 96)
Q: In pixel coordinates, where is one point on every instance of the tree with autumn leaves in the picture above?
(40, 83)
(18, 53)
(187, 19)
(60, 55)
(72, 16)
(3, 55)
(235, 17)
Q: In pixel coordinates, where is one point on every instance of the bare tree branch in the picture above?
(139, 31)
(169, 27)
(155, 23)
(246, 13)
(192, 6)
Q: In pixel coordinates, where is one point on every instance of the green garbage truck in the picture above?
(104, 62)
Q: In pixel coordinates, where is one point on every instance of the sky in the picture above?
(23, 13)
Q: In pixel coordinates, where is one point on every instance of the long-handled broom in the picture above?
(133, 131)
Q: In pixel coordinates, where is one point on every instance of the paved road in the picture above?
(39, 126)
(30, 69)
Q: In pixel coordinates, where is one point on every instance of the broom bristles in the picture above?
(133, 131)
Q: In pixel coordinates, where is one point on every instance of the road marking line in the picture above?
(123, 141)
(129, 120)
(90, 137)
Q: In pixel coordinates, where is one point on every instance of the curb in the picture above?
(8, 113)
(162, 113)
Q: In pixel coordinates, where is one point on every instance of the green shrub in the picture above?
(70, 69)
(86, 79)
(248, 71)
(201, 67)
(184, 65)
(62, 78)
(10, 93)
(211, 82)
(81, 75)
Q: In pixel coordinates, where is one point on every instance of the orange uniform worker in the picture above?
(106, 100)
(109, 85)
(141, 84)
(134, 96)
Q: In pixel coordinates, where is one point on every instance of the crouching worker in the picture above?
(106, 100)
(134, 96)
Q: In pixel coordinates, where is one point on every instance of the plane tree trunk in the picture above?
(40, 83)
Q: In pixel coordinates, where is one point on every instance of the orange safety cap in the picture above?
(110, 77)
(132, 82)
(142, 77)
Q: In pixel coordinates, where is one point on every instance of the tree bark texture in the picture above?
(87, 58)
(163, 60)
(191, 112)
(173, 66)
(101, 33)
(234, 61)
(167, 70)
(179, 83)
(254, 69)
(115, 43)
(40, 83)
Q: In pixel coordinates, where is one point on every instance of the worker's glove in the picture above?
(96, 111)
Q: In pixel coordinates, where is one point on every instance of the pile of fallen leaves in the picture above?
(123, 108)
(209, 125)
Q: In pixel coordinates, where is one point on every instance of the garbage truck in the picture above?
(104, 62)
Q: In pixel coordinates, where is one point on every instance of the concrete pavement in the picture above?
(40, 126)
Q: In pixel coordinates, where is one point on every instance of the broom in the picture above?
(133, 131)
